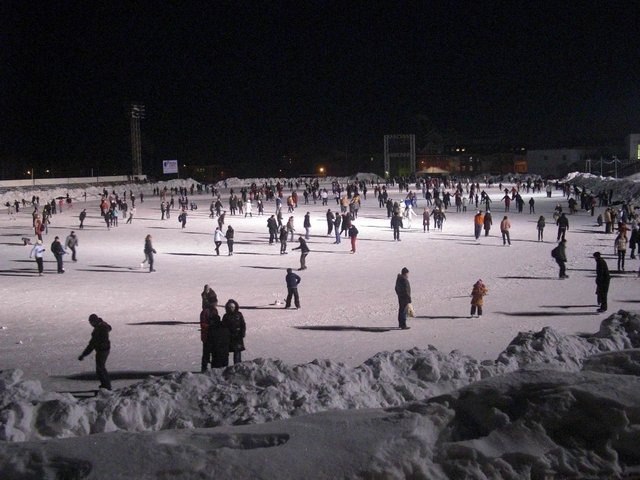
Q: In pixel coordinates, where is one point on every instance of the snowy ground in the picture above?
(348, 315)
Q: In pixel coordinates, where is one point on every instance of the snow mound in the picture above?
(251, 392)
(548, 349)
(543, 424)
(523, 425)
(624, 189)
(264, 390)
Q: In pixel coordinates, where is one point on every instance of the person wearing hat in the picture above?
(101, 344)
(403, 290)
(38, 250)
(602, 281)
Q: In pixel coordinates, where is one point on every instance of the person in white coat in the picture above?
(408, 213)
(218, 238)
(38, 251)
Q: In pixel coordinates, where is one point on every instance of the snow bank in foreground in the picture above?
(523, 425)
(264, 390)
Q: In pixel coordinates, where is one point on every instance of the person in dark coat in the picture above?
(234, 321)
(283, 240)
(304, 251)
(396, 225)
(353, 235)
(602, 281)
(336, 227)
(58, 251)
(307, 225)
(292, 280)
(219, 340)
(488, 222)
(209, 297)
(272, 226)
(205, 321)
(215, 339)
(563, 226)
(149, 251)
(403, 290)
(229, 236)
(560, 255)
(81, 217)
(330, 218)
(101, 344)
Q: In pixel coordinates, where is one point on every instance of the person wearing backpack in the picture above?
(560, 256)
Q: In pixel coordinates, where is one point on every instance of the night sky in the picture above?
(246, 83)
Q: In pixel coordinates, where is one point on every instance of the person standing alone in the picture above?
(38, 250)
(149, 251)
(292, 280)
(58, 251)
(505, 225)
(229, 236)
(304, 251)
(560, 255)
(602, 281)
(403, 291)
(101, 344)
(72, 242)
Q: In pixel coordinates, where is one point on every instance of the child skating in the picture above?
(477, 293)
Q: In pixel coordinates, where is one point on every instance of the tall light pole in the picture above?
(137, 112)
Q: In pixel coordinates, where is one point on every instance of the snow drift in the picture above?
(264, 390)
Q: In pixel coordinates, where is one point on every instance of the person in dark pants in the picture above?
(602, 281)
(292, 280)
(396, 225)
(234, 321)
(58, 251)
(304, 251)
(563, 226)
(101, 344)
(148, 252)
(283, 240)
(81, 217)
(219, 339)
(38, 250)
(560, 255)
(208, 317)
(72, 242)
(229, 236)
(403, 290)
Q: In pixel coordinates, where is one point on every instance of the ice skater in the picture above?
(478, 292)
(101, 344)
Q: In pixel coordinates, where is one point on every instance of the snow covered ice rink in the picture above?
(155, 315)
(557, 402)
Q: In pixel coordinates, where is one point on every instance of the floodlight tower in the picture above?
(137, 112)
